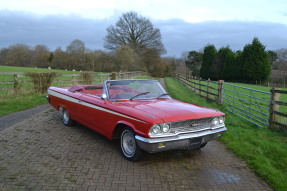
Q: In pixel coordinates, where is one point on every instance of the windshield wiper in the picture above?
(139, 95)
(162, 95)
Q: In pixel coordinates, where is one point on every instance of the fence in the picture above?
(250, 104)
(66, 79)
(259, 107)
(277, 119)
(205, 88)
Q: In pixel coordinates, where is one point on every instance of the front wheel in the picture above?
(129, 147)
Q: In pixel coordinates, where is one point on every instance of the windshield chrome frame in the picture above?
(105, 88)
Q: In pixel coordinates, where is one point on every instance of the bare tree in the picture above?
(76, 50)
(135, 31)
(125, 58)
(19, 55)
(40, 56)
(60, 59)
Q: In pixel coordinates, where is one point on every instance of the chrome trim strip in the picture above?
(68, 98)
(179, 137)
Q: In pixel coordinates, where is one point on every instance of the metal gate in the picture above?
(250, 104)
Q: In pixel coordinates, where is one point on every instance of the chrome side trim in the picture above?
(68, 98)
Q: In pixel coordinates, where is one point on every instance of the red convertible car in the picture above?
(140, 114)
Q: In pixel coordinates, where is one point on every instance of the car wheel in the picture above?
(66, 117)
(129, 147)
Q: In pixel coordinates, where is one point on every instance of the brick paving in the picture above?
(40, 153)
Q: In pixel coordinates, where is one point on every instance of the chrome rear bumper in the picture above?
(182, 141)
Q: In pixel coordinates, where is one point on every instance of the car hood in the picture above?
(171, 110)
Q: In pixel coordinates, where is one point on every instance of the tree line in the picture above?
(77, 57)
(133, 43)
(253, 63)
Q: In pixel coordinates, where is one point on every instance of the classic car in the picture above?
(140, 114)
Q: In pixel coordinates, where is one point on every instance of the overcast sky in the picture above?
(185, 25)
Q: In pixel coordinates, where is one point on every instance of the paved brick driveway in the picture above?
(40, 153)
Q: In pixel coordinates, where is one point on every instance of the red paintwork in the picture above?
(145, 112)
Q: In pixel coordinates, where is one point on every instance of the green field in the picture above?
(12, 69)
(23, 86)
(27, 69)
(263, 150)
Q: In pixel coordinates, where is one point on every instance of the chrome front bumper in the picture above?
(181, 141)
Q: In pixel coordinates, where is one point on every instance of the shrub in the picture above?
(86, 77)
(42, 81)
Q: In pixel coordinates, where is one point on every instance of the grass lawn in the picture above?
(13, 103)
(263, 150)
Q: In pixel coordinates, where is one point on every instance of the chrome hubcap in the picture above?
(65, 116)
(128, 143)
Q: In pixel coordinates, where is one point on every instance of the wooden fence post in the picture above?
(199, 82)
(220, 92)
(273, 107)
(73, 79)
(16, 83)
(113, 76)
(208, 84)
(191, 83)
(194, 85)
(195, 90)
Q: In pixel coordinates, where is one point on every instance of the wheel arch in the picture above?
(118, 128)
(59, 106)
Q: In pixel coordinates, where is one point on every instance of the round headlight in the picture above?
(156, 129)
(165, 128)
(215, 121)
(221, 120)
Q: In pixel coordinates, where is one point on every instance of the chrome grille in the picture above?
(191, 125)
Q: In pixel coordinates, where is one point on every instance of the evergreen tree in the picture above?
(206, 70)
(238, 66)
(255, 61)
(223, 63)
(227, 66)
(193, 62)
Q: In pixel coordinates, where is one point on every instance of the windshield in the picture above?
(134, 89)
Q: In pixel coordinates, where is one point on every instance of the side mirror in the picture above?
(104, 96)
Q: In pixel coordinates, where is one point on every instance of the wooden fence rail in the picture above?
(99, 77)
(211, 90)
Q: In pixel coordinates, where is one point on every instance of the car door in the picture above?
(93, 113)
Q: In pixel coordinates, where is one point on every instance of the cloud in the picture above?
(178, 35)
(53, 31)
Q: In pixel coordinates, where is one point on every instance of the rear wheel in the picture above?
(66, 117)
(129, 147)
